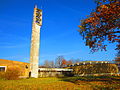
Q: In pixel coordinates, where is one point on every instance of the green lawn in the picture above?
(68, 83)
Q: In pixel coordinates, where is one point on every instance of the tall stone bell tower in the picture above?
(35, 42)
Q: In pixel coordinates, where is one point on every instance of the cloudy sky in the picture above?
(59, 35)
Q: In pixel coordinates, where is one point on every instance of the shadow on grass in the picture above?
(91, 78)
(96, 82)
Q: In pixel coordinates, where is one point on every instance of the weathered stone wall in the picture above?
(94, 69)
(54, 74)
(49, 74)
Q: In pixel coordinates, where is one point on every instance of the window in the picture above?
(2, 68)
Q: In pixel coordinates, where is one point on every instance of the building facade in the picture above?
(23, 67)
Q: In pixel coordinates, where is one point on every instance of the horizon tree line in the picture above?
(59, 62)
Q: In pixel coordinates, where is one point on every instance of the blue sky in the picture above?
(59, 35)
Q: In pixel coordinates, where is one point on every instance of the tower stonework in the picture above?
(35, 42)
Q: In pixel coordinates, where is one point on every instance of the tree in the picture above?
(59, 61)
(69, 62)
(49, 64)
(75, 60)
(64, 63)
(52, 64)
(102, 24)
(46, 63)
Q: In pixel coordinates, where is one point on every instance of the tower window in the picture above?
(26, 67)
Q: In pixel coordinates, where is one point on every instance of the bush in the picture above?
(12, 73)
(68, 74)
(2, 75)
(95, 69)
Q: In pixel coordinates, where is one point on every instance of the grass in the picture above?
(37, 84)
(67, 83)
(97, 82)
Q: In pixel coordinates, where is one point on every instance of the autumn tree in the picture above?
(102, 24)
(69, 62)
(64, 63)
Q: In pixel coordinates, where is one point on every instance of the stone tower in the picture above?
(35, 42)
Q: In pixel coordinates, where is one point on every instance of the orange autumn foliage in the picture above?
(102, 24)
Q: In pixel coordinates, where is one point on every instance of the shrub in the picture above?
(68, 74)
(12, 73)
(2, 75)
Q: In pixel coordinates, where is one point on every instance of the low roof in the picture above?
(54, 69)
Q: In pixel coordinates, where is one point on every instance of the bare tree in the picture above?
(51, 64)
(58, 62)
(75, 60)
(46, 63)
